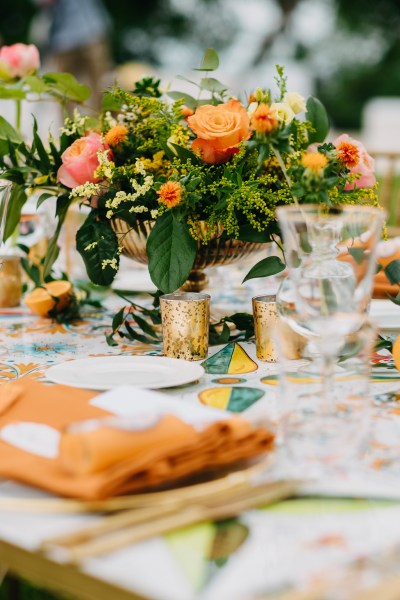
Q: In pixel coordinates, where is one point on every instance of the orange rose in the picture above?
(220, 129)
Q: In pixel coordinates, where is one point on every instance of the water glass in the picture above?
(312, 432)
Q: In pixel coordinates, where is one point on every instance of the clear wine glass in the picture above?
(331, 257)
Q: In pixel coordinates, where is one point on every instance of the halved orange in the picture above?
(396, 352)
(42, 300)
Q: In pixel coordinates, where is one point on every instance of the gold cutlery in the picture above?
(133, 526)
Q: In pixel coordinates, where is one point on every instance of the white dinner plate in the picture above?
(385, 314)
(107, 372)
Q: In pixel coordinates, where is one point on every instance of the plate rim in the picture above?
(139, 358)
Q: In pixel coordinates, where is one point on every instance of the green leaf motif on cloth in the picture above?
(219, 363)
(171, 251)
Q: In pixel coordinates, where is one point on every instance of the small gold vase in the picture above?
(215, 252)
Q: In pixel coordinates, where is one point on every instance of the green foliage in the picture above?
(392, 271)
(272, 265)
(17, 200)
(210, 61)
(98, 246)
(318, 117)
(155, 168)
(171, 251)
(134, 318)
(66, 87)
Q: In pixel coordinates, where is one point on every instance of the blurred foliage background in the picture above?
(350, 48)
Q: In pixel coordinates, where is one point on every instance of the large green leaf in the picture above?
(266, 267)
(318, 117)
(7, 132)
(247, 233)
(65, 85)
(11, 93)
(171, 251)
(13, 210)
(35, 83)
(187, 98)
(62, 205)
(210, 61)
(97, 232)
(392, 271)
(40, 149)
(110, 102)
(213, 85)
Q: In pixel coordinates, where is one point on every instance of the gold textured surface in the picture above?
(265, 318)
(185, 322)
(10, 281)
(215, 252)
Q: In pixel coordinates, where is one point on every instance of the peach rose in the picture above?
(80, 161)
(220, 129)
(18, 60)
(357, 159)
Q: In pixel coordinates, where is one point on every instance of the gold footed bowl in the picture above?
(213, 253)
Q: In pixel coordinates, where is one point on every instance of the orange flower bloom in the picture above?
(220, 129)
(186, 112)
(348, 153)
(116, 135)
(170, 194)
(264, 119)
(315, 161)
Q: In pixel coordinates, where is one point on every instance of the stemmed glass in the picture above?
(330, 253)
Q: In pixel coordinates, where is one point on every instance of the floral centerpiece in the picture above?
(176, 161)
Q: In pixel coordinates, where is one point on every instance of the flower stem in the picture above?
(284, 171)
(18, 115)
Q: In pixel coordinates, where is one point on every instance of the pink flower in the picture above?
(357, 159)
(80, 161)
(18, 60)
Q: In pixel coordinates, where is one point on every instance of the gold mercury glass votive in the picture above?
(10, 281)
(265, 317)
(265, 320)
(185, 321)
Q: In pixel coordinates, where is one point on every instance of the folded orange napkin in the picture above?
(388, 251)
(382, 287)
(106, 461)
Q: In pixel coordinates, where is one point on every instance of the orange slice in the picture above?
(42, 300)
(396, 352)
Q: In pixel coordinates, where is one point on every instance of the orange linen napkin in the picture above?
(382, 286)
(106, 462)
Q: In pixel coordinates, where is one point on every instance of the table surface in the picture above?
(323, 537)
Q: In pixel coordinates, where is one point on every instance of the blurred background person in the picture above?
(77, 41)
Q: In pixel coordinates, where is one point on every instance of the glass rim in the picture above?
(295, 211)
(185, 297)
(264, 298)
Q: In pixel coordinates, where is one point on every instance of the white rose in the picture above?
(283, 112)
(296, 102)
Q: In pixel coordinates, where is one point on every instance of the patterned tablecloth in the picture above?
(295, 543)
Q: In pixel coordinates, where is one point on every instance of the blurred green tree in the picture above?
(358, 60)
(368, 73)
